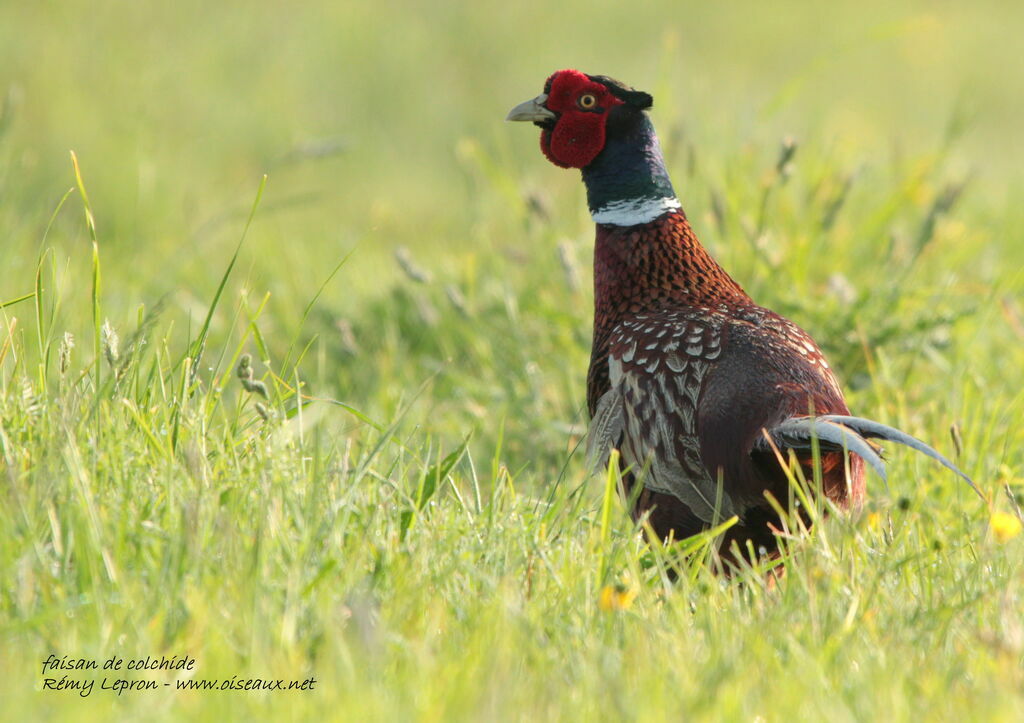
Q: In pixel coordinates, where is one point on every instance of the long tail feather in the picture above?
(798, 433)
(876, 430)
(836, 432)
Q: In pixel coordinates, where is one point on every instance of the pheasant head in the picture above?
(599, 125)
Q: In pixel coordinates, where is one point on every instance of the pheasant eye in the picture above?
(587, 101)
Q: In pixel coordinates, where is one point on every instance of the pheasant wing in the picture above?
(657, 365)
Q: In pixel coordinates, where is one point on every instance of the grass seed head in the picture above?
(244, 369)
(111, 343)
(64, 352)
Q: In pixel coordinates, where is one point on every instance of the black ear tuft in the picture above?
(635, 98)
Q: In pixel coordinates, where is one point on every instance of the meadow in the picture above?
(294, 332)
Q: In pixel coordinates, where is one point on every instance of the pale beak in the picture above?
(531, 110)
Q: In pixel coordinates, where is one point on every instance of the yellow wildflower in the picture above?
(1004, 526)
(616, 597)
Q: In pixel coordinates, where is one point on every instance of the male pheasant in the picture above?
(692, 381)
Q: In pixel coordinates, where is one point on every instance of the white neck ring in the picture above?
(633, 211)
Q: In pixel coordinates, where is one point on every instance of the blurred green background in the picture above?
(381, 125)
(176, 109)
(894, 238)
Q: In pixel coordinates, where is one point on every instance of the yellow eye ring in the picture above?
(587, 101)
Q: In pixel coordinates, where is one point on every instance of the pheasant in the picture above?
(700, 389)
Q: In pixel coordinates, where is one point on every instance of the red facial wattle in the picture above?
(578, 135)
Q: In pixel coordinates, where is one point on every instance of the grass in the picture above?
(233, 427)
